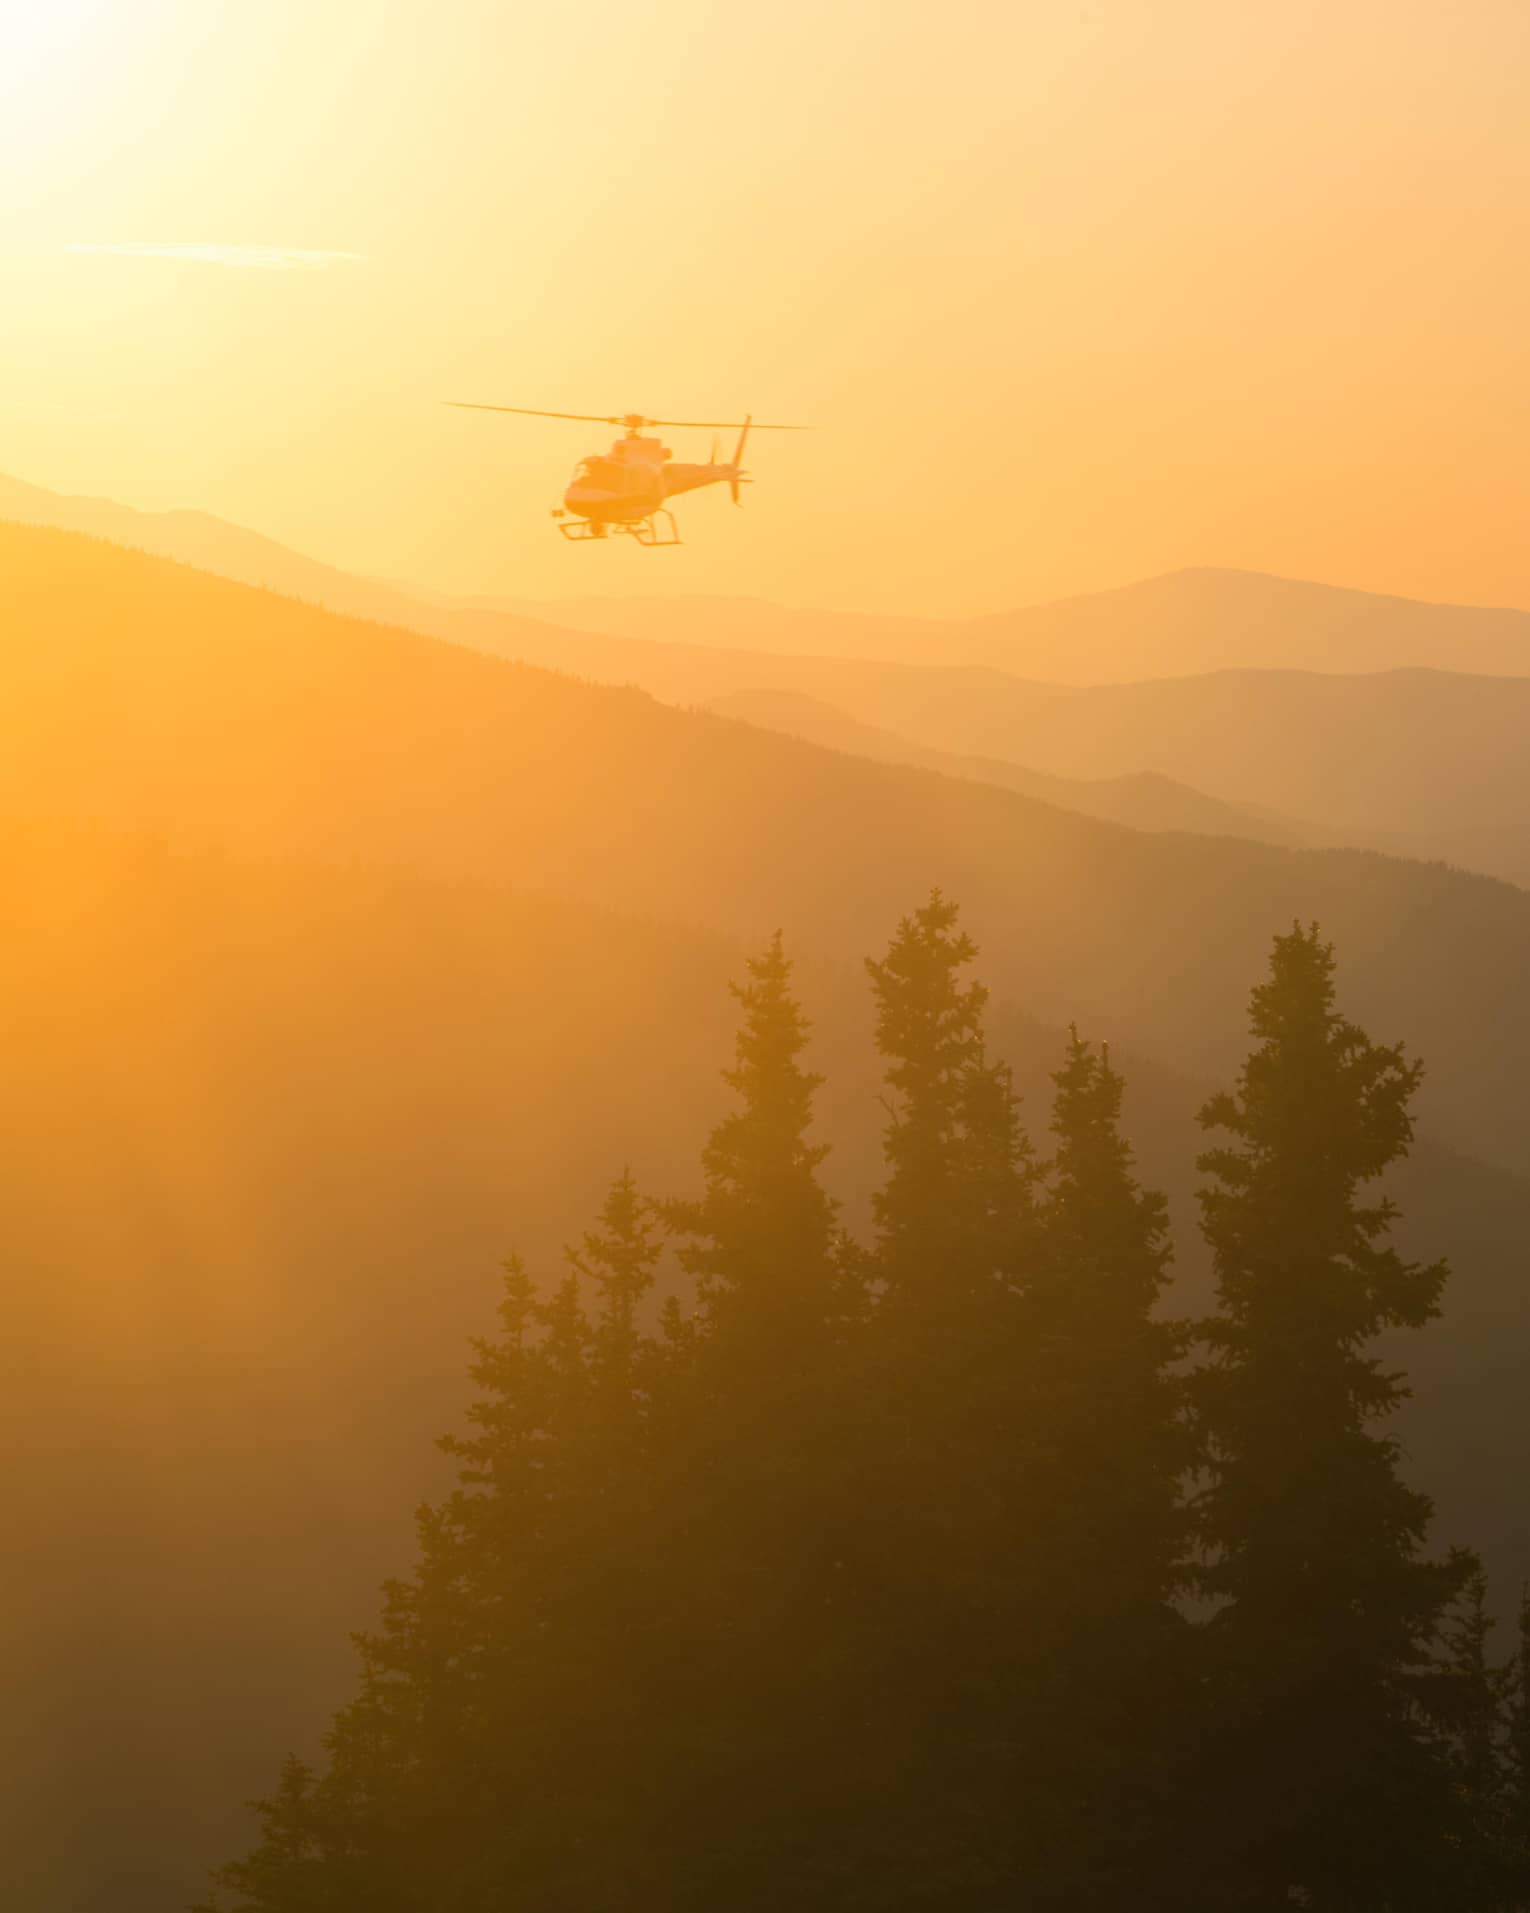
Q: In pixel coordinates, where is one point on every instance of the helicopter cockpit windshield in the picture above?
(604, 474)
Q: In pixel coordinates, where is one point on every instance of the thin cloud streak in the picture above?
(262, 258)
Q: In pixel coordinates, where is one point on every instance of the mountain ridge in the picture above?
(256, 1326)
(434, 753)
(1007, 640)
(1139, 800)
(322, 999)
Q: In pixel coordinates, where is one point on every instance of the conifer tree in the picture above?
(761, 1238)
(486, 1746)
(287, 1869)
(930, 1033)
(1517, 1751)
(1107, 1355)
(760, 1435)
(1102, 1666)
(1474, 1701)
(956, 1216)
(761, 1246)
(856, 1584)
(951, 1409)
(617, 1262)
(1330, 1777)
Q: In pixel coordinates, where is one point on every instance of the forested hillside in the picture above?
(1366, 721)
(1142, 800)
(821, 1208)
(150, 695)
(306, 1027)
(847, 1567)
(269, 1130)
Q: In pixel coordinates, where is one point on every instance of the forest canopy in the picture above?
(944, 1567)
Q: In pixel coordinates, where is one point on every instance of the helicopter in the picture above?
(624, 490)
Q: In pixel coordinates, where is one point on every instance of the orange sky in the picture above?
(1076, 293)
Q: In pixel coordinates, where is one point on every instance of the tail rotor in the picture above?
(738, 477)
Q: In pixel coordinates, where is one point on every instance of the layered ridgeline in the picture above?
(1425, 764)
(1142, 800)
(149, 695)
(268, 1129)
(1355, 719)
(269, 1123)
(1179, 625)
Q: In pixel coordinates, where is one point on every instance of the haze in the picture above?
(835, 1218)
(1075, 294)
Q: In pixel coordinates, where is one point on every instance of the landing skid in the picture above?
(651, 532)
(647, 531)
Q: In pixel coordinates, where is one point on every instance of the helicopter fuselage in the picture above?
(633, 480)
(626, 490)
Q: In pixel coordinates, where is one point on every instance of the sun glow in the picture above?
(54, 55)
(260, 258)
(1087, 236)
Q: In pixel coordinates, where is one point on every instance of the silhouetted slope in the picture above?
(1144, 801)
(196, 538)
(266, 1132)
(1411, 762)
(1207, 619)
(1178, 625)
(1431, 766)
(1429, 763)
(741, 624)
(1181, 624)
(142, 693)
(267, 1128)
(230, 551)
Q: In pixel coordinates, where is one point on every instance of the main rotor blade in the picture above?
(724, 425)
(634, 420)
(530, 411)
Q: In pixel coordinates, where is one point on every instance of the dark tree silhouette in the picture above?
(950, 1391)
(1111, 1525)
(759, 1460)
(930, 1031)
(841, 1577)
(1329, 1778)
(1517, 1751)
(761, 1240)
(1477, 1713)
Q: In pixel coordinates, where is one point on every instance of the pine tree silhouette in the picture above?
(950, 1400)
(843, 1578)
(930, 1031)
(762, 1452)
(1110, 1523)
(1475, 1712)
(760, 1241)
(290, 1868)
(1516, 1751)
(1329, 1779)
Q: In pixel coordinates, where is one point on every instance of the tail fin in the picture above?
(738, 458)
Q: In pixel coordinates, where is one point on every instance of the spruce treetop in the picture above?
(1318, 1110)
(761, 1235)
